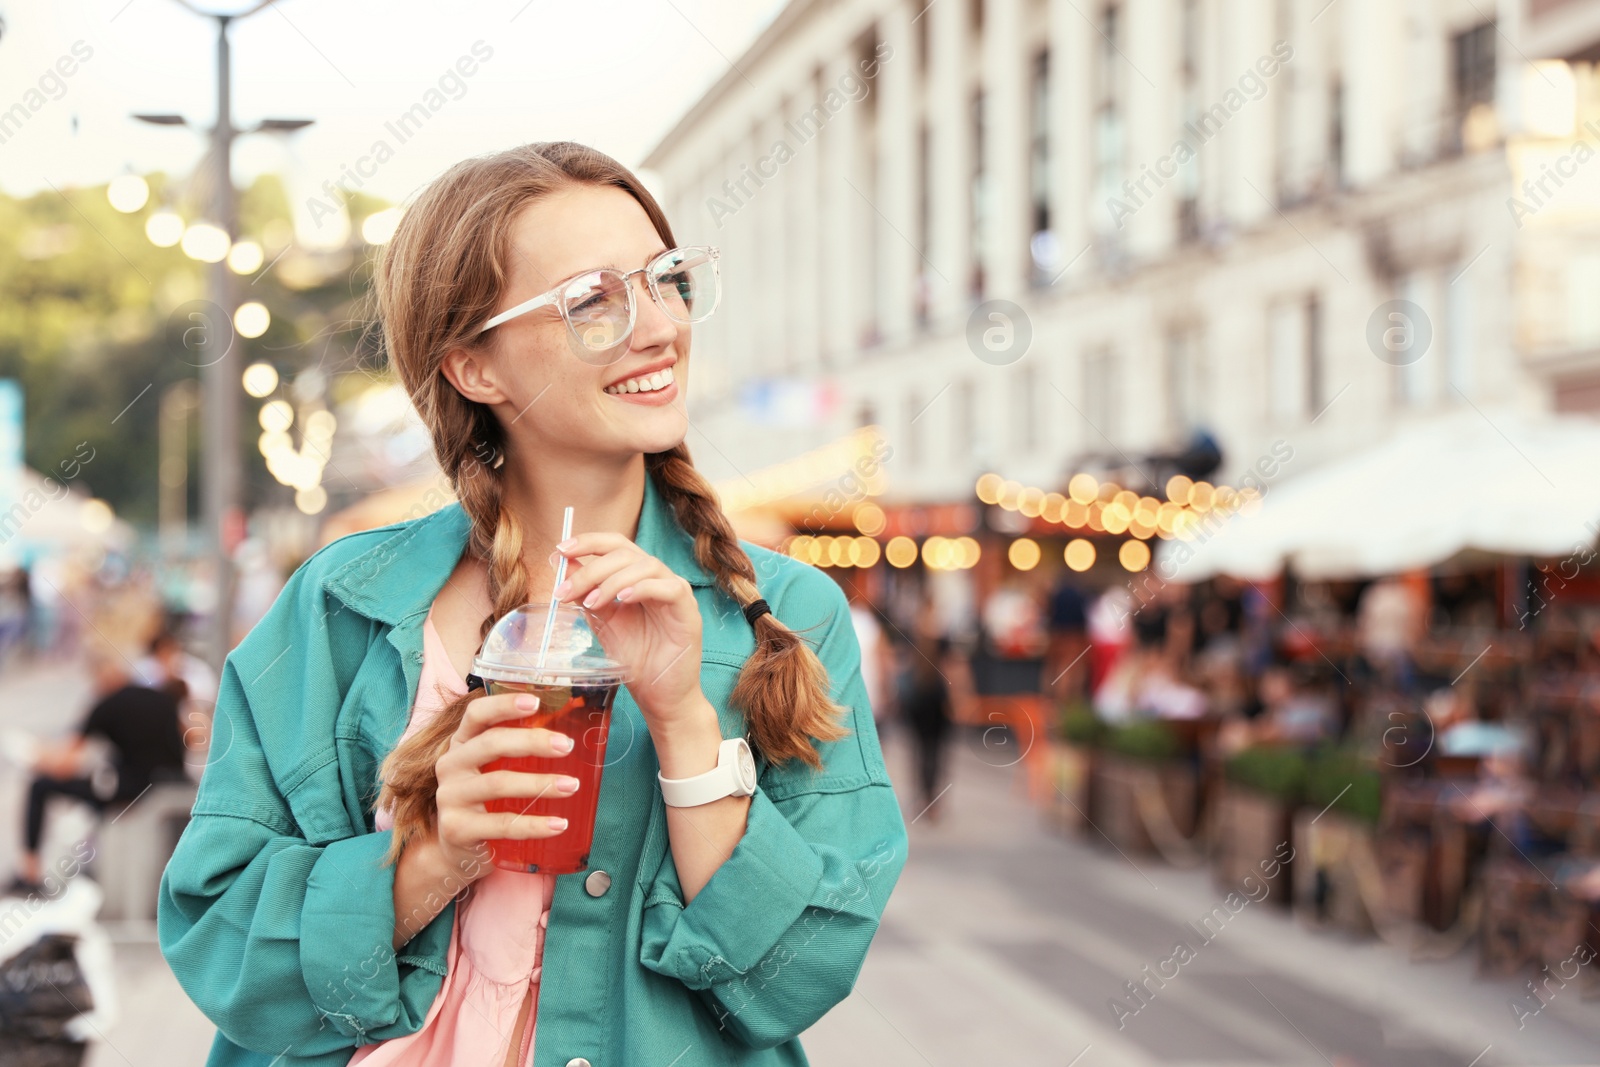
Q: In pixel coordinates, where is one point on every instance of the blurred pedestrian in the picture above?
(139, 724)
(925, 707)
(875, 660)
(1066, 674)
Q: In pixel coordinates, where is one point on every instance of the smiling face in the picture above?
(546, 391)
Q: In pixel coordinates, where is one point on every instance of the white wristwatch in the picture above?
(733, 776)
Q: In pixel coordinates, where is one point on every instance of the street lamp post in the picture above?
(220, 505)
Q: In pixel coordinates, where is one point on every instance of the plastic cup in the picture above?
(576, 686)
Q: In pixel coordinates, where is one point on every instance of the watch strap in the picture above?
(720, 781)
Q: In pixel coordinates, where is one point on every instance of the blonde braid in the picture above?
(783, 687)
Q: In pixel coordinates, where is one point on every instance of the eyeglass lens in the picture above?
(683, 283)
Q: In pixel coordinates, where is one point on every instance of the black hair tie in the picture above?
(755, 609)
(474, 682)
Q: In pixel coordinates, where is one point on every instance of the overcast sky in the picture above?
(615, 75)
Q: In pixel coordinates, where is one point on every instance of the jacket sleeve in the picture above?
(779, 933)
(276, 914)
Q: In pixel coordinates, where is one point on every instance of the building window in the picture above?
(913, 432)
(1100, 393)
(1042, 244)
(1108, 133)
(1185, 380)
(924, 294)
(965, 438)
(1458, 333)
(1286, 373)
(1473, 77)
(1583, 311)
(1189, 88)
(1282, 103)
(979, 197)
(1415, 380)
(1336, 133)
(1025, 393)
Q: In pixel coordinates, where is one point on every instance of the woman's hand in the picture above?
(463, 824)
(651, 623)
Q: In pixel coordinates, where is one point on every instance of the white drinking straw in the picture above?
(561, 576)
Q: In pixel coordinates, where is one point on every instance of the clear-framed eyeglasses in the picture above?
(599, 309)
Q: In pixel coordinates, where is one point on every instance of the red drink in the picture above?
(555, 655)
(583, 713)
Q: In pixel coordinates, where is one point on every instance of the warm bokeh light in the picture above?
(1097, 518)
(1108, 492)
(246, 257)
(321, 424)
(1178, 487)
(1075, 514)
(252, 319)
(206, 242)
(988, 488)
(1200, 496)
(276, 416)
(96, 516)
(1083, 488)
(869, 519)
(1079, 554)
(1134, 555)
(128, 193)
(867, 552)
(260, 379)
(312, 500)
(164, 229)
(1055, 505)
(1116, 518)
(1009, 492)
(379, 227)
(933, 553)
(1024, 553)
(1031, 502)
(970, 551)
(901, 552)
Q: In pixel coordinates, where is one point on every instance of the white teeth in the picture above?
(644, 384)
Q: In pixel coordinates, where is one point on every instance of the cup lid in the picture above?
(511, 651)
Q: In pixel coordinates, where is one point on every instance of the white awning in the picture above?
(1489, 480)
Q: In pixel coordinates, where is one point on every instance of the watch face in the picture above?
(747, 768)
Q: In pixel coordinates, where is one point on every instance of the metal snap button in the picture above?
(597, 883)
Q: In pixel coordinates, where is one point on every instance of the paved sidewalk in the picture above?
(1006, 943)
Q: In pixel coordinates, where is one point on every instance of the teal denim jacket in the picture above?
(276, 911)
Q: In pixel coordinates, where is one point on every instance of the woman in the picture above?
(308, 915)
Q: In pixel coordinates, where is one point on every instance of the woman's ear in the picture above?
(470, 373)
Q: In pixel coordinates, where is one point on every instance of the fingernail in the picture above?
(568, 785)
(527, 702)
(554, 558)
(592, 599)
(561, 743)
(565, 545)
(556, 822)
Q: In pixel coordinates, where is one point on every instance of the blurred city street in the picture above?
(1005, 941)
(1174, 424)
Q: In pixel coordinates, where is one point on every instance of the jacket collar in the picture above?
(399, 577)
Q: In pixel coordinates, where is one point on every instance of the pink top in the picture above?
(496, 945)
